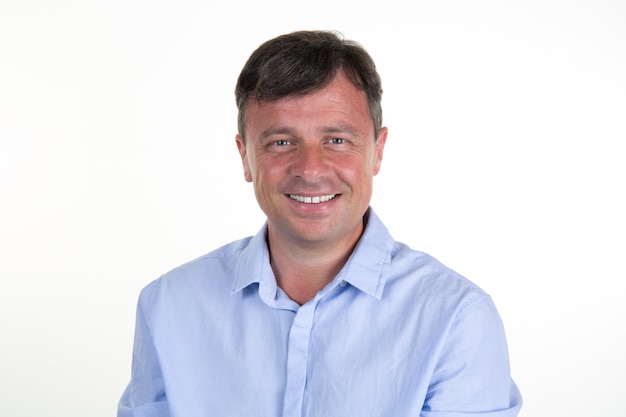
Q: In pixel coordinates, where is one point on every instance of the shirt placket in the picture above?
(298, 359)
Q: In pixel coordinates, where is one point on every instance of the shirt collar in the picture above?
(366, 266)
(253, 264)
(364, 269)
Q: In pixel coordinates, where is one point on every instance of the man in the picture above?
(321, 313)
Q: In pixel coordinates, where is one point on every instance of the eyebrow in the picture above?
(342, 129)
(277, 131)
(282, 130)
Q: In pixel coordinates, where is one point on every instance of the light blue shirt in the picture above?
(395, 334)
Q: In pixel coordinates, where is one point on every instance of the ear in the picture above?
(379, 147)
(241, 146)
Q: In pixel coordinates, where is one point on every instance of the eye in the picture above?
(280, 142)
(337, 141)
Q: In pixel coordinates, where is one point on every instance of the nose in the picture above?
(310, 163)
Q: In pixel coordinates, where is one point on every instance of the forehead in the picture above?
(339, 104)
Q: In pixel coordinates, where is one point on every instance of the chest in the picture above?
(325, 359)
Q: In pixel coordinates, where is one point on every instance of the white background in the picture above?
(505, 160)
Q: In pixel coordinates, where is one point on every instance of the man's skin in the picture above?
(312, 159)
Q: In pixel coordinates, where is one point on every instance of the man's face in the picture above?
(311, 160)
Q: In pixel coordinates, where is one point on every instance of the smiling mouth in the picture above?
(312, 200)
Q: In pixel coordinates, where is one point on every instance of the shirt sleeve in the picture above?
(472, 377)
(145, 394)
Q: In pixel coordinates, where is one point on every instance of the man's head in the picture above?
(309, 107)
(302, 62)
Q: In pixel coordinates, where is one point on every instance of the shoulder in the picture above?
(224, 256)
(211, 271)
(425, 277)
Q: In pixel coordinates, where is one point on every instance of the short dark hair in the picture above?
(303, 62)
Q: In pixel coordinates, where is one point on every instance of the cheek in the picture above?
(264, 173)
(357, 171)
(258, 169)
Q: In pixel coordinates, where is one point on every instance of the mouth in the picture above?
(312, 199)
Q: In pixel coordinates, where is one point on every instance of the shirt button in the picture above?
(343, 283)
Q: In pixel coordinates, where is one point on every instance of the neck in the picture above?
(303, 269)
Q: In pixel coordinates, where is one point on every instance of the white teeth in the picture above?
(312, 200)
